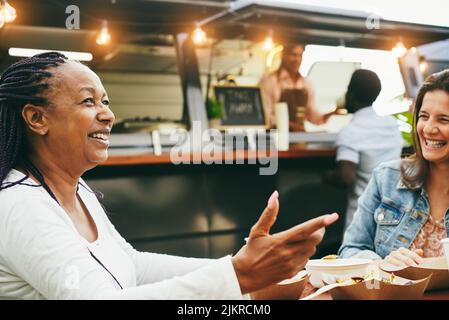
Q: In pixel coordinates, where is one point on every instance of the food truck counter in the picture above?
(297, 150)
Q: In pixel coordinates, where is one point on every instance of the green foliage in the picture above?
(214, 109)
(406, 119)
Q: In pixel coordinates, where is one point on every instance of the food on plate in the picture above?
(350, 281)
(353, 280)
(330, 257)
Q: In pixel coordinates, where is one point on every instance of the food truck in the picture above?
(164, 78)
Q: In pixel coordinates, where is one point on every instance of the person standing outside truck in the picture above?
(365, 142)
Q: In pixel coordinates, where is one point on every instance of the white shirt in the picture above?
(367, 140)
(42, 256)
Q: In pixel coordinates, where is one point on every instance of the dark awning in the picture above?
(135, 21)
(320, 25)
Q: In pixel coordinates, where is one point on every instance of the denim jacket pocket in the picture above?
(387, 217)
(388, 214)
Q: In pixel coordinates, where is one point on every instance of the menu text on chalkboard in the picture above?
(242, 106)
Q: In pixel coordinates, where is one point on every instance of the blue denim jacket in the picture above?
(389, 216)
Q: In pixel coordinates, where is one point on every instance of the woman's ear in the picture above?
(35, 118)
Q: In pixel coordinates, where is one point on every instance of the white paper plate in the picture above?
(334, 264)
(320, 269)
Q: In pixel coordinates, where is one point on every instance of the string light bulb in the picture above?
(7, 11)
(104, 36)
(423, 65)
(268, 43)
(199, 36)
(2, 19)
(399, 50)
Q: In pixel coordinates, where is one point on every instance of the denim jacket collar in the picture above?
(401, 185)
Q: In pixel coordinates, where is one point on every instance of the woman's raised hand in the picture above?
(267, 259)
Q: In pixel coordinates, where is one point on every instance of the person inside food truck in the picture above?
(286, 84)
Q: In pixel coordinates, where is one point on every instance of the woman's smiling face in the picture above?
(79, 118)
(433, 126)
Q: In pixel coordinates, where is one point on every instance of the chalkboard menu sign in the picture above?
(242, 106)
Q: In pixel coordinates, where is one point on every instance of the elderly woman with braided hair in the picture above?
(56, 241)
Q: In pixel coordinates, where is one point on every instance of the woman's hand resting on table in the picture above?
(404, 257)
(267, 259)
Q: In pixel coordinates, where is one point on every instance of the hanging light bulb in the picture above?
(8, 12)
(2, 19)
(268, 43)
(199, 36)
(423, 65)
(399, 50)
(104, 37)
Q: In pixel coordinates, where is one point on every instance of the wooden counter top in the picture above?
(295, 151)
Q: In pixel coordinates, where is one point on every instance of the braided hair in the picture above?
(21, 83)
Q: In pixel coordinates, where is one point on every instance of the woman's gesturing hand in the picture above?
(267, 259)
(404, 257)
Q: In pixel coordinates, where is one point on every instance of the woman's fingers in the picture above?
(304, 230)
(412, 255)
(404, 259)
(268, 259)
(393, 261)
(267, 218)
(330, 219)
(419, 252)
(303, 248)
